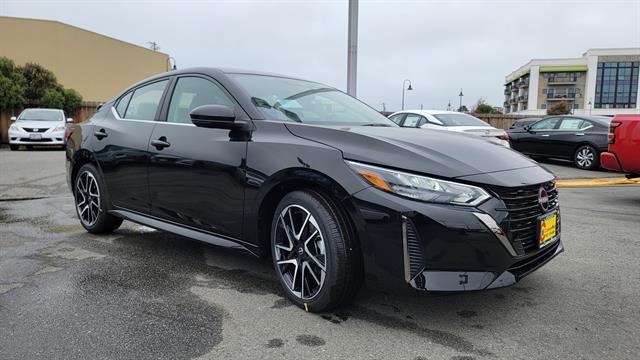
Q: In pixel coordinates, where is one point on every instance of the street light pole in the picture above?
(409, 88)
(352, 48)
(461, 95)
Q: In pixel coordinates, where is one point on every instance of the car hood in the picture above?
(444, 154)
(38, 124)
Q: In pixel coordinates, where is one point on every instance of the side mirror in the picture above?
(13, 118)
(216, 117)
(69, 120)
(526, 127)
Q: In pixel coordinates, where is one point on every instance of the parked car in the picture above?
(329, 188)
(38, 127)
(518, 124)
(450, 121)
(577, 138)
(624, 145)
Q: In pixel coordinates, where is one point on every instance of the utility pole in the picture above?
(449, 106)
(352, 48)
(384, 107)
(461, 95)
(153, 45)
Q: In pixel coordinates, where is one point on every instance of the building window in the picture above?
(543, 106)
(576, 106)
(616, 84)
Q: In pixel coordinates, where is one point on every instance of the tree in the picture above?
(481, 107)
(12, 86)
(72, 101)
(562, 108)
(38, 80)
(52, 98)
(463, 108)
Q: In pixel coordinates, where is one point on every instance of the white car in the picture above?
(38, 127)
(450, 121)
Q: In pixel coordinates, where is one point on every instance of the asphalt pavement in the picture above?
(144, 294)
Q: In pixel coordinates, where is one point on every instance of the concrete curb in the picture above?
(598, 182)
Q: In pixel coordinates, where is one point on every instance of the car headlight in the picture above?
(13, 128)
(420, 187)
(59, 128)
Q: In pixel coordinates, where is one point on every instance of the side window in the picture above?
(546, 124)
(571, 124)
(396, 118)
(122, 104)
(585, 125)
(411, 120)
(191, 92)
(145, 100)
(422, 121)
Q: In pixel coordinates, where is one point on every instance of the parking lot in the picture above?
(140, 293)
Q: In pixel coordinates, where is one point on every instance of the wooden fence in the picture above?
(88, 108)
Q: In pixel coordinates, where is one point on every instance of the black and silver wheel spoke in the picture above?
(87, 198)
(585, 157)
(300, 252)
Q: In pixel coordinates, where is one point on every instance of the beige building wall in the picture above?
(97, 66)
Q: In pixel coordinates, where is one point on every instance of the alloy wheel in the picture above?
(585, 157)
(87, 198)
(300, 252)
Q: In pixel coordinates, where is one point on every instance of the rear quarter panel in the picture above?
(627, 143)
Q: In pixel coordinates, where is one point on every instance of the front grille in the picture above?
(34, 130)
(521, 225)
(36, 140)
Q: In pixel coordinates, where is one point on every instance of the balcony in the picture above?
(562, 80)
(507, 90)
(513, 100)
(561, 96)
(522, 98)
(524, 82)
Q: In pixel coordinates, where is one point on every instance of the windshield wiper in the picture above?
(376, 124)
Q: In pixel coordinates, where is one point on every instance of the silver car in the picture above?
(450, 121)
(38, 127)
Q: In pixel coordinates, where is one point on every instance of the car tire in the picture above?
(91, 201)
(14, 147)
(315, 255)
(586, 157)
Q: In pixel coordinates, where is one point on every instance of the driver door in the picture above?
(196, 174)
(538, 138)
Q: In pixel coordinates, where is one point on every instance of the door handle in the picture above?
(579, 134)
(161, 143)
(545, 135)
(100, 134)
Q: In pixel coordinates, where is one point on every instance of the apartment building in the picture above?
(601, 82)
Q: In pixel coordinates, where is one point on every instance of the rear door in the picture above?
(570, 133)
(537, 139)
(120, 145)
(197, 178)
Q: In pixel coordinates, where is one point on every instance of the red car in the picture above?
(624, 145)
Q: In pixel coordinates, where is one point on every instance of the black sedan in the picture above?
(580, 139)
(332, 191)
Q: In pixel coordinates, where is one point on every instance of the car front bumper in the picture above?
(21, 137)
(433, 247)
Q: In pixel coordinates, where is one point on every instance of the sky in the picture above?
(440, 46)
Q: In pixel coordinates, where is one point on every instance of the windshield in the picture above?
(307, 102)
(41, 115)
(459, 120)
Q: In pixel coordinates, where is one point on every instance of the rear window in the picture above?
(459, 120)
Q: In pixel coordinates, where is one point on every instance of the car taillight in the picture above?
(611, 137)
(504, 137)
